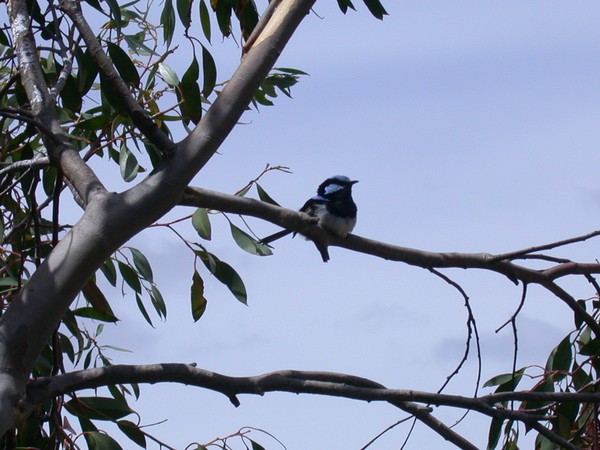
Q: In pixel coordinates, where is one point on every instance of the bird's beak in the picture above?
(354, 182)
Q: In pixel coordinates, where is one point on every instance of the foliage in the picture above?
(572, 366)
(100, 126)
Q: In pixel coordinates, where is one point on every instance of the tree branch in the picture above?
(306, 382)
(139, 117)
(61, 152)
(300, 222)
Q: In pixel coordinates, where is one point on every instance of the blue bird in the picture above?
(333, 206)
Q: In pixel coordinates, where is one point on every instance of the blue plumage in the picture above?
(333, 206)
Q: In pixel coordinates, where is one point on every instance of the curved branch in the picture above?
(301, 223)
(307, 382)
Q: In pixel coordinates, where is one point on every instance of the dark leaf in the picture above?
(197, 296)
(262, 194)
(158, 302)
(109, 271)
(201, 223)
(205, 20)
(376, 8)
(142, 308)
(225, 274)
(345, 4)
(130, 276)
(223, 11)
(123, 64)
(256, 445)
(133, 432)
(183, 9)
(167, 20)
(248, 243)
(190, 92)
(101, 441)
(92, 313)
(141, 264)
(115, 11)
(98, 408)
(561, 356)
(494, 433)
(209, 70)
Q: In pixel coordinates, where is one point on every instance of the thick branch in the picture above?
(111, 219)
(61, 152)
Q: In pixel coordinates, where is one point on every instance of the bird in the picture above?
(333, 206)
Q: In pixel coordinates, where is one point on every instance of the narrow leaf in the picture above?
(262, 194)
(167, 20)
(183, 9)
(133, 432)
(141, 264)
(123, 64)
(248, 243)
(201, 223)
(99, 408)
(128, 164)
(209, 70)
(197, 296)
(130, 276)
(142, 308)
(205, 20)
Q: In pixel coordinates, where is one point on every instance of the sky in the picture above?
(472, 127)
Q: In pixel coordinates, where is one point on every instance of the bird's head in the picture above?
(336, 187)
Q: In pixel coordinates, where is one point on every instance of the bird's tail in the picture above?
(275, 236)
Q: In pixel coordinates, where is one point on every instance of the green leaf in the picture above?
(494, 433)
(123, 64)
(96, 298)
(183, 9)
(248, 243)
(128, 164)
(141, 264)
(201, 223)
(225, 274)
(376, 8)
(205, 20)
(167, 20)
(115, 11)
(130, 276)
(345, 4)
(506, 381)
(88, 71)
(99, 408)
(101, 441)
(70, 96)
(109, 271)
(197, 295)
(191, 106)
(209, 70)
(262, 194)
(142, 308)
(92, 313)
(133, 432)
(158, 301)
(223, 10)
(168, 74)
(256, 445)
(561, 357)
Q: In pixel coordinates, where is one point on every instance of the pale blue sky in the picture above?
(471, 127)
